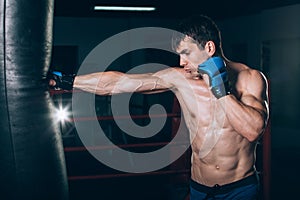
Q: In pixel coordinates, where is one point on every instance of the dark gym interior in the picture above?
(42, 158)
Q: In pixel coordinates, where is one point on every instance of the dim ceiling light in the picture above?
(124, 8)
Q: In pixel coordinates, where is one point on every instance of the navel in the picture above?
(217, 167)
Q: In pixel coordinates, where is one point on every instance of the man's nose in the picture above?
(183, 61)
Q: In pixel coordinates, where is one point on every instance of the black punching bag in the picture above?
(32, 164)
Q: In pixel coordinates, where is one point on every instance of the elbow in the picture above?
(254, 136)
(255, 132)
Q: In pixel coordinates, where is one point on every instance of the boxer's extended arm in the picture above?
(248, 115)
(113, 82)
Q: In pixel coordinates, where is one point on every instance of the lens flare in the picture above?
(62, 114)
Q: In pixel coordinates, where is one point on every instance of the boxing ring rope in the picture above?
(103, 118)
(120, 175)
(265, 141)
(106, 147)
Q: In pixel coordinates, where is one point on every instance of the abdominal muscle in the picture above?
(231, 159)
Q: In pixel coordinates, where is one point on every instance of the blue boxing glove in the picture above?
(62, 81)
(215, 68)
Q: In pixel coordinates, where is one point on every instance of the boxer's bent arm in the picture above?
(113, 82)
(248, 115)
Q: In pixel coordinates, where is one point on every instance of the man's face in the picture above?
(191, 56)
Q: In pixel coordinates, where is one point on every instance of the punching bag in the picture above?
(32, 164)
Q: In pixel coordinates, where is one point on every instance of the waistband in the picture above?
(222, 189)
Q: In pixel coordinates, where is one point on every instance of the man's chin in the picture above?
(191, 75)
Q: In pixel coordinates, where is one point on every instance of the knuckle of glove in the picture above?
(62, 81)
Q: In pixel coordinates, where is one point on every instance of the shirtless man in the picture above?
(237, 108)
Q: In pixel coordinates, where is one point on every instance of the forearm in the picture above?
(91, 83)
(249, 121)
(108, 83)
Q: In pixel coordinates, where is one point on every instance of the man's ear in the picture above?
(210, 48)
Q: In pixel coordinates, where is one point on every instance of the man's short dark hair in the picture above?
(201, 28)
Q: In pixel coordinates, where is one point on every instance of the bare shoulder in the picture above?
(249, 77)
(170, 75)
(170, 71)
(249, 81)
(246, 75)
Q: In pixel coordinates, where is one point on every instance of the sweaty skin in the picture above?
(231, 124)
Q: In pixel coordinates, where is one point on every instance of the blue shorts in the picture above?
(245, 189)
